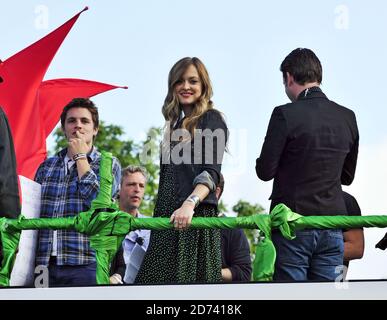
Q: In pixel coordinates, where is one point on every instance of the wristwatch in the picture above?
(79, 156)
(194, 199)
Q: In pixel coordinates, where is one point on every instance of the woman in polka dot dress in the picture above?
(191, 155)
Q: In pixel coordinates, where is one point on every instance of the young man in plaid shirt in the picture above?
(70, 181)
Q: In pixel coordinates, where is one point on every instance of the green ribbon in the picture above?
(106, 227)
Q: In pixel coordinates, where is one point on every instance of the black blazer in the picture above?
(118, 263)
(236, 254)
(9, 193)
(310, 149)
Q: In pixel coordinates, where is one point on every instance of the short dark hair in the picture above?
(133, 169)
(303, 65)
(221, 184)
(81, 103)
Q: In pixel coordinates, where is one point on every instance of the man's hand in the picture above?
(116, 279)
(77, 145)
(226, 274)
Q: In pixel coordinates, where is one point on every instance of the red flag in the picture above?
(55, 94)
(22, 75)
(28, 102)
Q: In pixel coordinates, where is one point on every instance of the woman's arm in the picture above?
(213, 133)
(182, 217)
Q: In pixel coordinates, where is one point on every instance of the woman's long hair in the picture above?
(172, 110)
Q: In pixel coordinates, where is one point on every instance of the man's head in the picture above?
(220, 187)
(80, 115)
(301, 69)
(133, 184)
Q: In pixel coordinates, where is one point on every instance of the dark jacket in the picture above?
(207, 157)
(118, 263)
(310, 149)
(236, 254)
(9, 193)
(353, 209)
(352, 206)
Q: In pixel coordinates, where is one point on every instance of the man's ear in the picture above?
(95, 133)
(64, 132)
(289, 79)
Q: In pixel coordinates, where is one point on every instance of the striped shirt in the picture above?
(64, 195)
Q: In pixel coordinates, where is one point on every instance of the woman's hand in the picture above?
(182, 217)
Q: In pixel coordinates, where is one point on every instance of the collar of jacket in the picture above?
(312, 92)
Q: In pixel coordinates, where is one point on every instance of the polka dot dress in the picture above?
(180, 256)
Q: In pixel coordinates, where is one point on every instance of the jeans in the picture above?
(314, 254)
(82, 275)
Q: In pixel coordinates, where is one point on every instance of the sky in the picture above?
(242, 43)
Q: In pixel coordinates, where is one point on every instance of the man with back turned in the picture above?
(310, 150)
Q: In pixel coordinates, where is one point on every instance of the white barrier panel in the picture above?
(23, 270)
(351, 290)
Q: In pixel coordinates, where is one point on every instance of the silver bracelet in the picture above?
(79, 156)
(194, 199)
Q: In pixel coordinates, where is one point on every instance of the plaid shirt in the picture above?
(64, 195)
